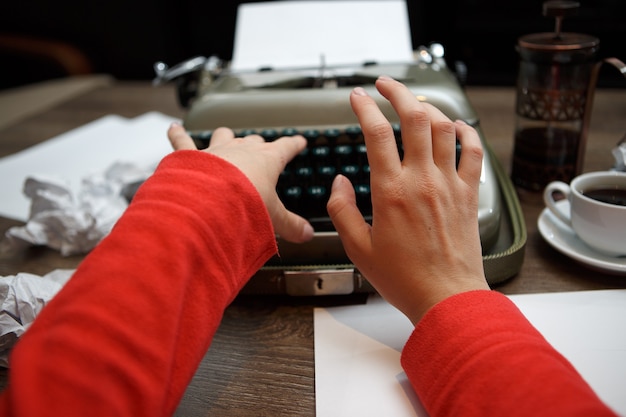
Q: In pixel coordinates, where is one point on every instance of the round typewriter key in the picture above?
(289, 131)
(326, 171)
(203, 135)
(311, 134)
(246, 132)
(316, 191)
(353, 132)
(343, 151)
(269, 134)
(361, 153)
(344, 155)
(316, 197)
(320, 151)
(363, 198)
(291, 197)
(202, 138)
(331, 135)
(293, 191)
(350, 171)
(305, 172)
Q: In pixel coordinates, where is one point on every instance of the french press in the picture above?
(555, 85)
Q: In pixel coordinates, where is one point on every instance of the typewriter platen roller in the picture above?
(315, 102)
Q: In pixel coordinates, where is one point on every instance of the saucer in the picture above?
(562, 238)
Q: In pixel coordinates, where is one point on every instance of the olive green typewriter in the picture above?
(314, 102)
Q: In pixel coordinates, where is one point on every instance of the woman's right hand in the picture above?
(424, 244)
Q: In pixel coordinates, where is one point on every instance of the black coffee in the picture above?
(608, 195)
(542, 155)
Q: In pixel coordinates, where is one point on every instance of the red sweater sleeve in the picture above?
(475, 354)
(127, 332)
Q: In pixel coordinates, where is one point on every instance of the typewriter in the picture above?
(314, 102)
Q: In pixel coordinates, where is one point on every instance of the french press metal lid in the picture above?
(558, 46)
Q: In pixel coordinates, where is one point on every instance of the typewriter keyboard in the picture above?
(304, 186)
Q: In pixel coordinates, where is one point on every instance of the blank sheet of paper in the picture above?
(307, 34)
(357, 350)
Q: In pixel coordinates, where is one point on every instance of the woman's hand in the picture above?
(262, 162)
(424, 244)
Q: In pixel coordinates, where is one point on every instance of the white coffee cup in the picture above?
(596, 221)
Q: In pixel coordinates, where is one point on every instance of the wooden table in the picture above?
(261, 362)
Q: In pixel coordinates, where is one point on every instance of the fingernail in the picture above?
(359, 91)
(307, 231)
(175, 124)
(385, 78)
(337, 182)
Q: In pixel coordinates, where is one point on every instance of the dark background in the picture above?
(124, 38)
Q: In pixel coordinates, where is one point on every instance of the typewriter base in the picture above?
(502, 262)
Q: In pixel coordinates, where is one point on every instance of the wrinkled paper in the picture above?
(74, 224)
(22, 297)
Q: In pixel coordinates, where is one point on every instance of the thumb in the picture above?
(353, 230)
(179, 138)
(289, 225)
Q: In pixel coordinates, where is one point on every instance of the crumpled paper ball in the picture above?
(75, 224)
(22, 297)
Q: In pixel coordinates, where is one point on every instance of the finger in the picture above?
(443, 132)
(472, 153)
(289, 225)
(382, 151)
(179, 139)
(288, 147)
(414, 118)
(221, 135)
(255, 138)
(353, 231)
